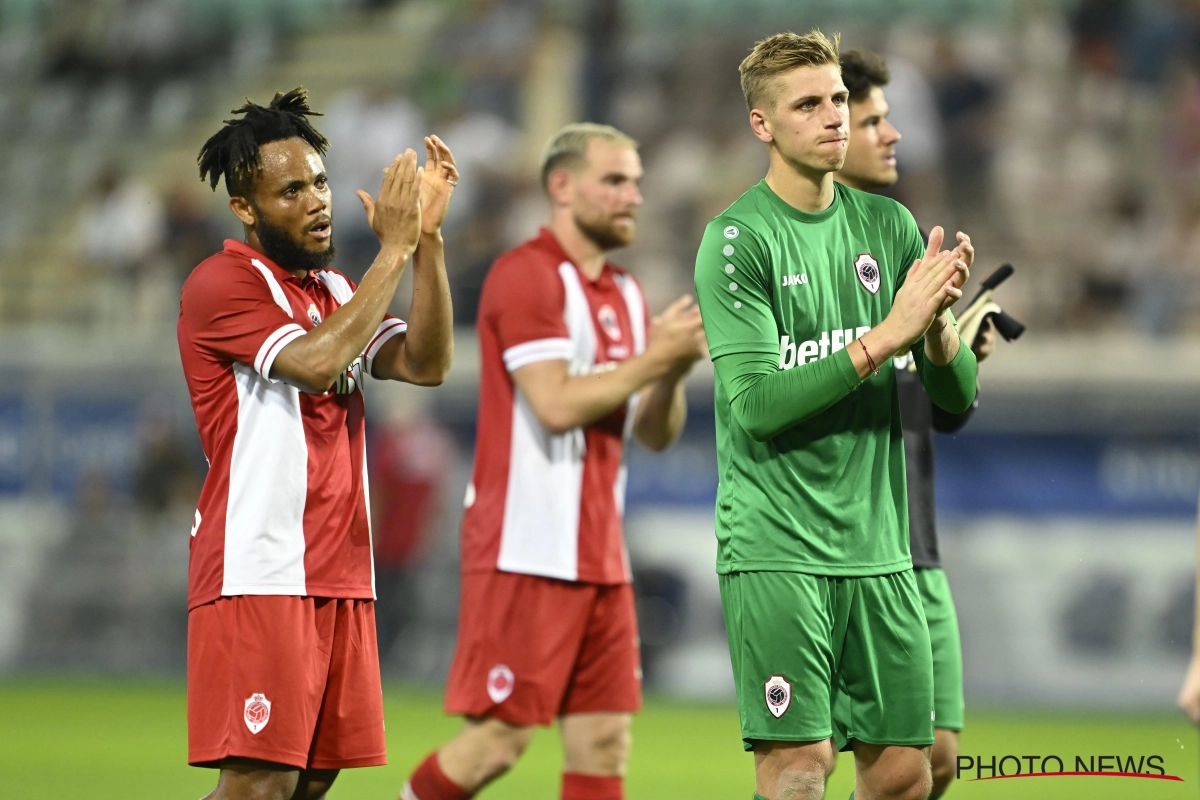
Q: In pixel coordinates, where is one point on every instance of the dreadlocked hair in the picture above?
(233, 150)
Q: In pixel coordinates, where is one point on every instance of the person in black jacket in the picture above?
(870, 166)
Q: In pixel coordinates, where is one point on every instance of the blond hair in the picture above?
(567, 149)
(782, 53)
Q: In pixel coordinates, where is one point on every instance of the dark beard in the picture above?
(288, 253)
(604, 236)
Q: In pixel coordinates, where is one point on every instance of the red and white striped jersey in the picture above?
(284, 509)
(540, 503)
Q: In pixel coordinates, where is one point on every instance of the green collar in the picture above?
(797, 214)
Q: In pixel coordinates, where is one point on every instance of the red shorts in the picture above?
(292, 680)
(531, 649)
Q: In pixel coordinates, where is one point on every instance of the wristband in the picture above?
(870, 361)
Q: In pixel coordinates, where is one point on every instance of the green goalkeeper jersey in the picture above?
(811, 458)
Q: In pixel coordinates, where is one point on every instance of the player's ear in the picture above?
(558, 186)
(243, 210)
(760, 123)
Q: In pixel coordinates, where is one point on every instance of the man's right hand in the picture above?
(395, 215)
(932, 286)
(677, 335)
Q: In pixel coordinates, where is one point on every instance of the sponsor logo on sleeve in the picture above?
(258, 712)
(779, 695)
(731, 232)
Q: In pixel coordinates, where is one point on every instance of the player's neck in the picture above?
(853, 184)
(579, 247)
(807, 190)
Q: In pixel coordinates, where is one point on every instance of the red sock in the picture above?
(428, 782)
(591, 787)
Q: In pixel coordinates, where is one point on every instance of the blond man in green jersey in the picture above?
(808, 289)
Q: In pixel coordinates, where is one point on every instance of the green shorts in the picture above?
(815, 657)
(947, 648)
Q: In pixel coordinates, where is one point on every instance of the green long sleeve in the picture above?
(767, 400)
(952, 387)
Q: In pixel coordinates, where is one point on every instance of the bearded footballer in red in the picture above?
(572, 366)
(283, 668)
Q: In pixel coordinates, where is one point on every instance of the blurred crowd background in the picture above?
(1063, 135)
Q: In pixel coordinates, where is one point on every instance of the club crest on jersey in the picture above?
(868, 272)
(313, 314)
(731, 232)
(500, 683)
(608, 321)
(258, 712)
(779, 695)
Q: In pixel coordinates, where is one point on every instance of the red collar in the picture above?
(245, 250)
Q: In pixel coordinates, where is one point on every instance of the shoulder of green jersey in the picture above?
(740, 255)
(872, 200)
(735, 231)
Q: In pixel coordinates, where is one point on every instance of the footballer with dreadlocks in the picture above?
(283, 669)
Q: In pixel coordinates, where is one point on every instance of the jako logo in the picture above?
(795, 280)
(793, 354)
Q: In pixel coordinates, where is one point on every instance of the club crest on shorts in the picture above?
(868, 272)
(500, 683)
(258, 712)
(779, 695)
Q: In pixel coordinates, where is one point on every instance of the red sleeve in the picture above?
(231, 313)
(524, 303)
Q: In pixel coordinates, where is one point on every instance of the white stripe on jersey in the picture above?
(531, 352)
(578, 316)
(637, 321)
(386, 330)
(370, 532)
(337, 285)
(273, 346)
(540, 532)
(268, 481)
(276, 290)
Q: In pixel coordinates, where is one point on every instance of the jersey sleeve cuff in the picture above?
(273, 346)
(846, 368)
(520, 355)
(387, 329)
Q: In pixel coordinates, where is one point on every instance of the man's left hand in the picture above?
(437, 185)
